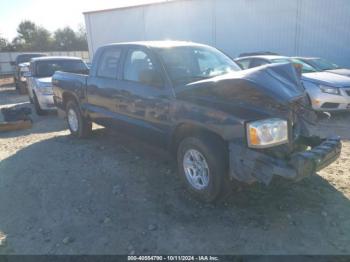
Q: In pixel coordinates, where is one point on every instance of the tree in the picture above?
(41, 40)
(5, 45)
(32, 37)
(65, 39)
(36, 38)
(26, 31)
(82, 39)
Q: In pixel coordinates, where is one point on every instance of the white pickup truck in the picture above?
(39, 79)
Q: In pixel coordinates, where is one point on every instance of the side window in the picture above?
(108, 63)
(137, 65)
(258, 62)
(244, 64)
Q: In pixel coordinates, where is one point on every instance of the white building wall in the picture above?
(184, 20)
(293, 27)
(325, 30)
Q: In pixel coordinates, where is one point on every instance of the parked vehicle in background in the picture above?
(39, 80)
(21, 68)
(257, 53)
(220, 122)
(326, 91)
(322, 65)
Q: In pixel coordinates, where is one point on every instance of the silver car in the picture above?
(39, 79)
(327, 91)
(322, 65)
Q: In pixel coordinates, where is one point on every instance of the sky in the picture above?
(52, 14)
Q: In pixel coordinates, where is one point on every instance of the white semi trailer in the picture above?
(300, 27)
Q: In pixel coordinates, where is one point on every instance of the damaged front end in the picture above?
(302, 156)
(249, 165)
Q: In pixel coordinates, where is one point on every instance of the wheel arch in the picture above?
(68, 96)
(184, 130)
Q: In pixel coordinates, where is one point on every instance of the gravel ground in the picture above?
(111, 194)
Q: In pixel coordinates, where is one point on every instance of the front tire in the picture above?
(202, 164)
(78, 125)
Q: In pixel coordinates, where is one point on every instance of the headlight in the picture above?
(267, 133)
(330, 90)
(45, 88)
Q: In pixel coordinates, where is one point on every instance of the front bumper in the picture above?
(46, 101)
(248, 165)
(328, 102)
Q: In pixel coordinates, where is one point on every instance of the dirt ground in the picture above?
(111, 194)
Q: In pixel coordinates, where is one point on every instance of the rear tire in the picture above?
(78, 125)
(210, 151)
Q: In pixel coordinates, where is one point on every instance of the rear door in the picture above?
(146, 96)
(103, 86)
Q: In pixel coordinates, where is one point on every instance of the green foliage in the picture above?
(26, 31)
(3, 43)
(67, 40)
(31, 37)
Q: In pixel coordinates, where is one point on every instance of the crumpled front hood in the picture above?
(327, 78)
(342, 71)
(249, 94)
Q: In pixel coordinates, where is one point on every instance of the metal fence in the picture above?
(7, 57)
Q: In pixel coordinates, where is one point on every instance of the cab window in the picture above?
(108, 64)
(137, 62)
(140, 68)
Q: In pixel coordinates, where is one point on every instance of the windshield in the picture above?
(306, 68)
(322, 64)
(26, 58)
(48, 68)
(188, 64)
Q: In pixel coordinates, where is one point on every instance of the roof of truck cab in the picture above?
(48, 58)
(158, 44)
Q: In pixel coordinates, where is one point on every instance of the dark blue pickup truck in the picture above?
(221, 123)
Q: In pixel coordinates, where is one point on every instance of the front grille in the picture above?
(330, 105)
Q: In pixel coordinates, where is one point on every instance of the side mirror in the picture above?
(151, 77)
(299, 69)
(12, 63)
